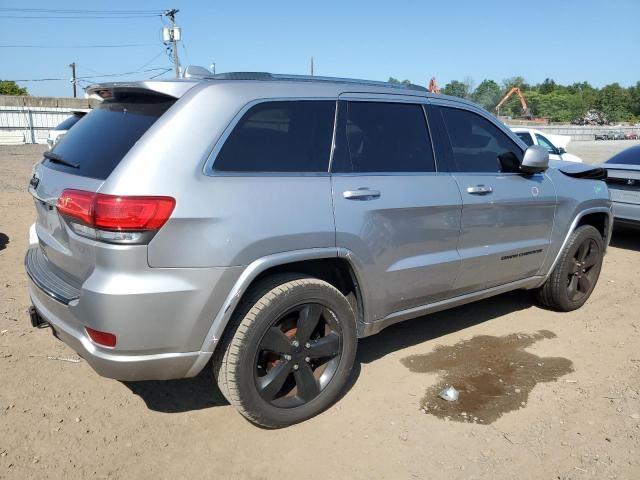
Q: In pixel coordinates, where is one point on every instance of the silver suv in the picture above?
(267, 222)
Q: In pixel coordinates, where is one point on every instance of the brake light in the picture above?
(101, 338)
(115, 212)
(77, 204)
(132, 213)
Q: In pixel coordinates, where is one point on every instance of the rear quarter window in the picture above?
(100, 141)
(284, 136)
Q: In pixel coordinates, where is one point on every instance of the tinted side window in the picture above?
(525, 137)
(293, 136)
(476, 142)
(545, 143)
(383, 137)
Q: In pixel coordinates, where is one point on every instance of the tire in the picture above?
(275, 321)
(575, 276)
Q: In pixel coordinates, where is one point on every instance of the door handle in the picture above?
(479, 190)
(363, 193)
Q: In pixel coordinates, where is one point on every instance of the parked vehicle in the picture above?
(617, 135)
(556, 148)
(57, 133)
(624, 185)
(631, 136)
(610, 135)
(269, 221)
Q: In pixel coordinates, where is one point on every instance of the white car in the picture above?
(57, 133)
(556, 145)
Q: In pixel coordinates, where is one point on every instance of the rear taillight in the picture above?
(115, 218)
(101, 338)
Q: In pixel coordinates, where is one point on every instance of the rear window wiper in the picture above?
(54, 157)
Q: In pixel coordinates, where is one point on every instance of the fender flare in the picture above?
(250, 273)
(608, 210)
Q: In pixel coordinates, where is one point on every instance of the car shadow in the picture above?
(4, 241)
(200, 392)
(184, 395)
(626, 237)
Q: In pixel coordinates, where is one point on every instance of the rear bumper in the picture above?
(162, 366)
(160, 316)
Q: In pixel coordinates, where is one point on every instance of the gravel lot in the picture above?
(571, 409)
(596, 152)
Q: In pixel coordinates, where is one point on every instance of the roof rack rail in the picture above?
(193, 71)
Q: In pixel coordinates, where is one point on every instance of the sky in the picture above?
(569, 41)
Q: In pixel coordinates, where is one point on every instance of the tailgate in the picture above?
(86, 156)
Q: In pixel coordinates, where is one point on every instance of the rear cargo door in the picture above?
(82, 160)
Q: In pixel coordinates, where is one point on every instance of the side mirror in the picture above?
(561, 151)
(535, 160)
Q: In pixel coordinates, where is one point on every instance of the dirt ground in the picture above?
(564, 400)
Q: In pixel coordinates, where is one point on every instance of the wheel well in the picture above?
(599, 220)
(336, 271)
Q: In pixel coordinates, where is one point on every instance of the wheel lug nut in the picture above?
(307, 359)
(307, 345)
(287, 357)
(295, 367)
(295, 343)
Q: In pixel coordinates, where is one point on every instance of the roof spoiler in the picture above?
(173, 89)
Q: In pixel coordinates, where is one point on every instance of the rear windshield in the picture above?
(106, 134)
(630, 156)
(70, 122)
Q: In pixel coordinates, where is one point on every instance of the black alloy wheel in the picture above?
(582, 274)
(298, 355)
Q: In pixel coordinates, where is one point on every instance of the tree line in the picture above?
(579, 102)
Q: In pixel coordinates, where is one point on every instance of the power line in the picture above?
(159, 74)
(165, 69)
(84, 17)
(124, 45)
(78, 11)
(152, 60)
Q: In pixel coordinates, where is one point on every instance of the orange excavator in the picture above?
(433, 86)
(526, 113)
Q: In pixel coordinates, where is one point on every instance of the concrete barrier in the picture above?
(48, 102)
(577, 132)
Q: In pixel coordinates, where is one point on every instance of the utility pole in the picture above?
(212, 67)
(73, 78)
(312, 66)
(172, 16)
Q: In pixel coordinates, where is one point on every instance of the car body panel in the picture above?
(405, 240)
(506, 233)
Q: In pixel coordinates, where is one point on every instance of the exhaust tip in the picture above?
(36, 320)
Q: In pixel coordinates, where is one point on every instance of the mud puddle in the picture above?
(494, 375)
